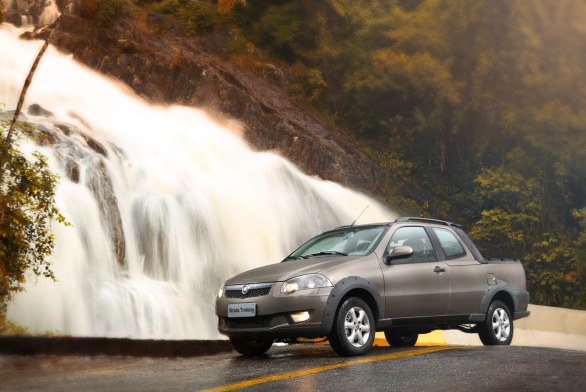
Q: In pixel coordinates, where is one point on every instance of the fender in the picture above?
(339, 291)
(488, 297)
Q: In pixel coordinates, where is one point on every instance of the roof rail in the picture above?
(426, 220)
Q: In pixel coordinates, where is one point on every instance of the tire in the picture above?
(401, 338)
(497, 329)
(251, 347)
(353, 330)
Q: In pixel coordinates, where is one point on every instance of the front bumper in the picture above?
(273, 314)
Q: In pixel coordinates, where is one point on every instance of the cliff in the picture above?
(150, 54)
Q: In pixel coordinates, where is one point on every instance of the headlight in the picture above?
(221, 292)
(303, 282)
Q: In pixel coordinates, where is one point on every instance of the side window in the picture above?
(453, 249)
(416, 238)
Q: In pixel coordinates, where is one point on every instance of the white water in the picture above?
(196, 206)
(50, 10)
(50, 13)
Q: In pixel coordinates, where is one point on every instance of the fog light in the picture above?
(300, 317)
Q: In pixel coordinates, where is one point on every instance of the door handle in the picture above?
(438, 269)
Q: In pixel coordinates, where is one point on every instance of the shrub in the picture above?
(27, 208)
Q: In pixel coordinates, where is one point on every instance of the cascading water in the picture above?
(43, 12)
(165, 204)
(50, 13)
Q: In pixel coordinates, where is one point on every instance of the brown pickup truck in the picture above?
(404, 278)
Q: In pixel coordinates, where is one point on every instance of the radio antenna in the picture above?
(366, 208)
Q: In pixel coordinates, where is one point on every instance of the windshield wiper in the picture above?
(294, 258)
(326, 253)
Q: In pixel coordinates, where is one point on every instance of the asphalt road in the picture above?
(307, 368)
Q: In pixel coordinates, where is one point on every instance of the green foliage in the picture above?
(308, 85)
(109, 10)
(551, 270)
(286, 29)
(197, 17)
(510, 212)
(580, 258)
(105, 12)
(511, 224)
(27, 208)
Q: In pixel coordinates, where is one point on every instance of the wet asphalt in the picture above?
(389, 369)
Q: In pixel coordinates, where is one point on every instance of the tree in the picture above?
(27, 203)
(511, 224)
(27, 209)
(510, 213)
(580, 259)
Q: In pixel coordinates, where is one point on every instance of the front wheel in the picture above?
(251, 347)
(497, 329)
(401, 338)
(353, 330)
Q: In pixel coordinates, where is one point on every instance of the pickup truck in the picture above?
(403, 278)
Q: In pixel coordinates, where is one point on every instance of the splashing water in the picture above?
(165, 205)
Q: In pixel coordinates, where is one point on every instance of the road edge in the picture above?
(37, 345)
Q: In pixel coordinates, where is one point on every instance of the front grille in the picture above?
(251, 293)
(249, 322)
(254, 290)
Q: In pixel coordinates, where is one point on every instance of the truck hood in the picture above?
(280, 272)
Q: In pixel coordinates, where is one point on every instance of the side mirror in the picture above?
(400, 252)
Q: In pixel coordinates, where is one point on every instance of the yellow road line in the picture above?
(434, 338)
(314, 370)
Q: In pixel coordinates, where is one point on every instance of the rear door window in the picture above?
(452, 247)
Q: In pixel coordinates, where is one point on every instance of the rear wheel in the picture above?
(353, 329)
(251, 347)
(401, 338)
(497, 329)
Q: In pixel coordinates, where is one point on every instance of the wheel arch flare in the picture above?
(352, 286)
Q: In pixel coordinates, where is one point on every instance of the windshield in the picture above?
(349, 241)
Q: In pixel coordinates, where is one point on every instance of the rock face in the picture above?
(168, 68)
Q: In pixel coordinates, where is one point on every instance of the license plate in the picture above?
(242, 310)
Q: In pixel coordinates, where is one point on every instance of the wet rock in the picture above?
(37, 110)
(99, 182)
(95, 145)
(64, 128)
(72, 170)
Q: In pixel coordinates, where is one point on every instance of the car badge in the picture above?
(245, 289)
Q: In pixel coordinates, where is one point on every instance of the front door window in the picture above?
(416, 238)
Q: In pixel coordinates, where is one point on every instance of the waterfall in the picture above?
(165, 204)
(28, 12)
(50, 13)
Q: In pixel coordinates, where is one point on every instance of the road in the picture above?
(307, 368)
